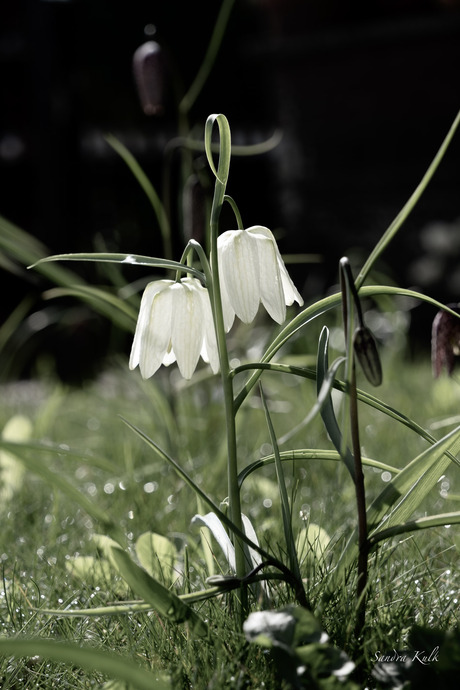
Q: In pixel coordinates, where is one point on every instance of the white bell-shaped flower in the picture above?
(251, 271)
(175, 324)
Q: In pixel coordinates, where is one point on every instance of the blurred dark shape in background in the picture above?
(363, 93)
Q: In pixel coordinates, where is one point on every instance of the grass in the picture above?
(414, 579)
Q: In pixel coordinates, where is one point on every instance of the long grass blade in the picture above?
(149, 189)
(92, 660)
(25, 249)
(408, 206)
(35, 464)
(58, 450)
(102, 301)
(440, 520)
(198, 491)
(285, 507)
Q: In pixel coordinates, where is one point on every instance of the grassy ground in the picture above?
(414, 579)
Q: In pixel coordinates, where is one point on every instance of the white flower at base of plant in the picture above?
(175, 324)
(252, 271)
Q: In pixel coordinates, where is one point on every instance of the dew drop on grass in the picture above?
(109, 488)
(385, 476)
(150, 487)
(267, 502)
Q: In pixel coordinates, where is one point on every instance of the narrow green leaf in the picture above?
(327, 408)
(408, 206)
(363, 396)
(137, 606)
(404, 494)
(117, 258)
(308, 454)
(92, 660)
(150, 590)
(312, 312)
(104, 302)
(440, 520)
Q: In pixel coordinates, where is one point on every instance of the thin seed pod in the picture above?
(367, 354)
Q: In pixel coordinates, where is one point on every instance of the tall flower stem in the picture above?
(350, 299)
(221, 175)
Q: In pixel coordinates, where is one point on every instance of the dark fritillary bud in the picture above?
(367, 354)
(445, 341)
(149, 73)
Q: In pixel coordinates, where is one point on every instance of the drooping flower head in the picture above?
(252, 271)
(175, 324)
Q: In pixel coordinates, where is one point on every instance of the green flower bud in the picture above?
(367, 354)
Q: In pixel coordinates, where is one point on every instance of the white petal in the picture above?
(209, 350)
(227, 309)
(143, 320)
(271, 288)
(291, 294)
(158, 333)
(240, 272)
(187, 327)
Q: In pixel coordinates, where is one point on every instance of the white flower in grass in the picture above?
(175, 324)
(251, 271)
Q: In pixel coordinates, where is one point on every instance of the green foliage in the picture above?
(348, 583)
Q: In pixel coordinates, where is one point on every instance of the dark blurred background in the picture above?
(362, 92)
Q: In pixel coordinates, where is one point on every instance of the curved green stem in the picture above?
(235, 210)
(221, 175)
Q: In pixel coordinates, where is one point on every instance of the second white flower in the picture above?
(252, 271)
